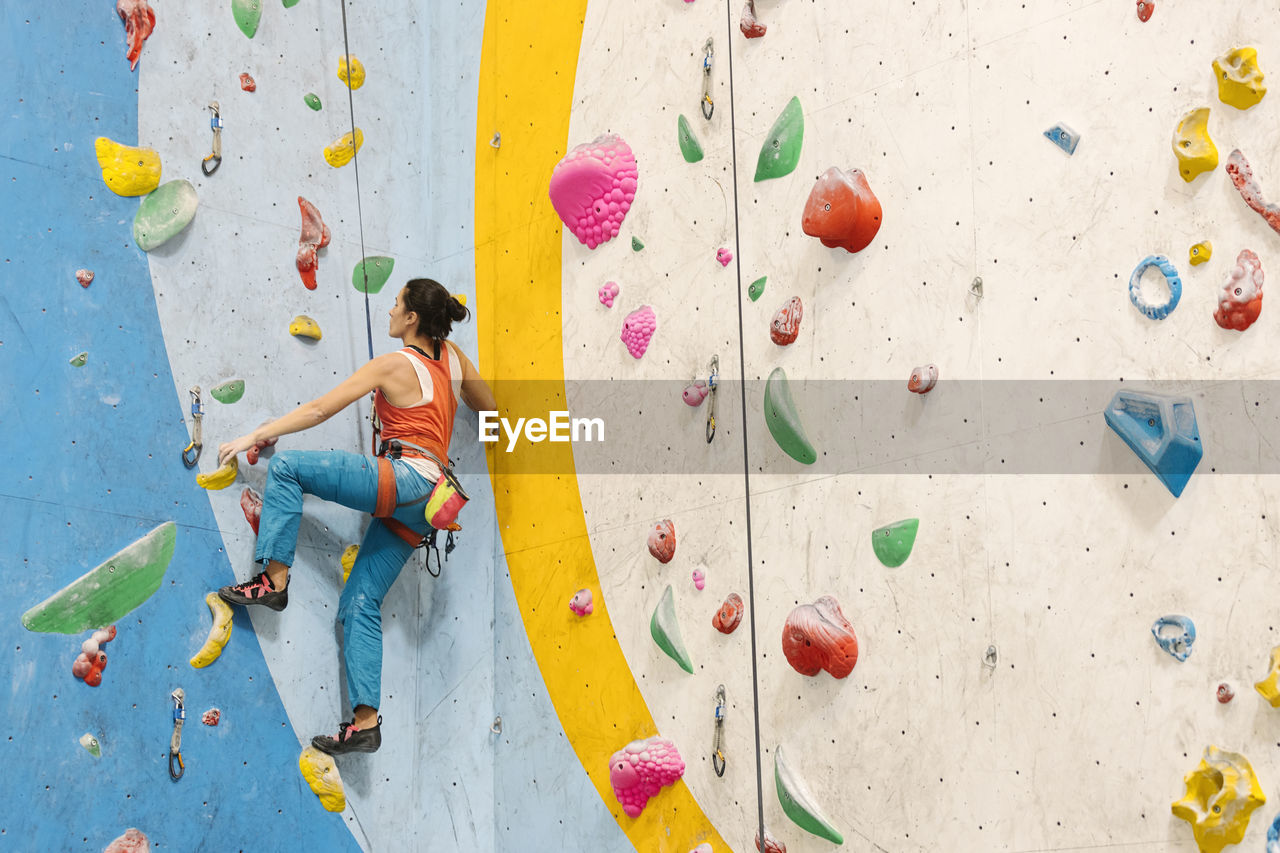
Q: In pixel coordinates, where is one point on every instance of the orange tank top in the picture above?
(429, 422)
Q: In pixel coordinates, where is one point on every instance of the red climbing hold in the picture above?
(133, 841)
(1225, 693)
(85, 277)
(1145, 8)
(786, 323)
(751, 28)
(729, 614)
(251, 503)
(314, 236)
(1240, 301)
(139, 21)
(1241, 174)
(247, 83)
(662, 541)
(842, 211)
(211, 717)
(817, 637)
(251, 455)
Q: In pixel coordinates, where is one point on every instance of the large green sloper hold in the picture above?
(893, 542)
(164, 213)
(689, 145)
(106, 594)
(781, 150)
(798, 803)
(228, 392)
(783, 420)
(378, 269)
(247, 14)
(666, 631)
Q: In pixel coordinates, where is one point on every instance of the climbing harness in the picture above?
(216, 157)
(175, 745)
(708, 105)
(717, 753)
(386, 505)
(713, 382)
(197, 432)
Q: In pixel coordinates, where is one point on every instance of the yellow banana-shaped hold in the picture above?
(340, 151)
(304, 327)
(349, 560)
(220, 479)
(218, 634)
(126, 170)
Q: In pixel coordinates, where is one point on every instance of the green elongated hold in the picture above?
(783, 420)
(109, 592)
(689, 146)
(379, 270)
(757, 288)
(893, 542)
(289, 4)
(247, 14)
(79, 360)
(781, 150)
(312, 100)
(636, 245)
(164, 213)
(798, 803)
(666, 631)
(228, 392)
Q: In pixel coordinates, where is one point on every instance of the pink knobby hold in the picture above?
(1145, 8)
(923, 379)
(211, 717)
(85, 277)
(695, 393)
(1240, 301)
(699, 579)
(729, 614)
(608, 291)
(247, 83)
(139, 21)
(133, 841)
(662, 541)
(251, 505)
(724, 256)
(314, 236)
(581, 602)
(638, 329)
(785, 327)
(817, 636)
(89, 664)
(641, 769)
(592, 188)
(751, 28)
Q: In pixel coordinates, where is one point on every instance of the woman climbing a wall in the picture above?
(416, 392)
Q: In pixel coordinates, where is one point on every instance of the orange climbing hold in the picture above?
(842, 211)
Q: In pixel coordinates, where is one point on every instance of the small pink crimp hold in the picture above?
(724, 256)
(211, 717)
(641, 769)
(592, 188)
(638, 329)
(581, 602)
(608, 291)
(699, 579)
(85, 277)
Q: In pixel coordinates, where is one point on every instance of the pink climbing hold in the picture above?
(211, 717)
(785, 327)
(315, 236)
(608, 291)
(1241, 174)
(695, 393)
(592, 188)
(1240, 302)
(251, 504)
(641, 769)
(139, 21)
(85, 277)
(729, 614)
(817, 637)
(133, 841)
(637, 330)
(1145, 8)
(662, 541)
(724, 256)
(842, 211)
(751, 28)
(247, 83)
(699, 579)
(581, 602)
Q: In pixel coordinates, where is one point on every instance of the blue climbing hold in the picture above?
(1273, 836)
(1063, 137)
(1171, 277)
(1162, 431)
(1175, 634)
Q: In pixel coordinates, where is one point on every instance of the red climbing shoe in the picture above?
(259, 590)
(350, 739)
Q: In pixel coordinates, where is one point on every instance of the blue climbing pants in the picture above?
(351, 480)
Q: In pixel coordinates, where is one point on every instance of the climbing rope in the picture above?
(355, 164)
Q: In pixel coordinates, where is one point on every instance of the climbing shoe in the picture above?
(350, 739)
(259, 590)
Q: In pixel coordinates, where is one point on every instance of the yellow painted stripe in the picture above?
(527, 67)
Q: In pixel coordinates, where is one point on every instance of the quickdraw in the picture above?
(717, 753)
(216, 156)
(175, 744)
(197, 432)
(708, 105)
(713, 382)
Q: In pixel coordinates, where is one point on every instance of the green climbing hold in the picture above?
(798, 803)
(893, 543)
(781, 150)
(164, 213)
(689, 146)
(109, 592)
(636, 245)
(784, 421)
(312, 100)
(228, 392)
(247, 13)
(378, 269)
(666, 631)
(289, 4)
(79, 360)
(757, 288)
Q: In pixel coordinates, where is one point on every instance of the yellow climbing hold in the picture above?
(461, 297)
(1239, 78)
(303, 326)
(1269, 687)
(1192, 146)
(340, 152)
(127, 171)
(220, 479)
(1221, 794)
(356, 71)
(1201, 252)
(322, 775)
(349, 560)
(219, 634)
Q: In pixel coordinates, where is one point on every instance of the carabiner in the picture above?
(713, 382)
(717, 754)
(197, 432)
(216, 156)
(175, 743)
(708, 105)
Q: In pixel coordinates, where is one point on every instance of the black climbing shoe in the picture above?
(350, 739)
(259, 590)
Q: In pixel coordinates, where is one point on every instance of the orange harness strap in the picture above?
(386, 504)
